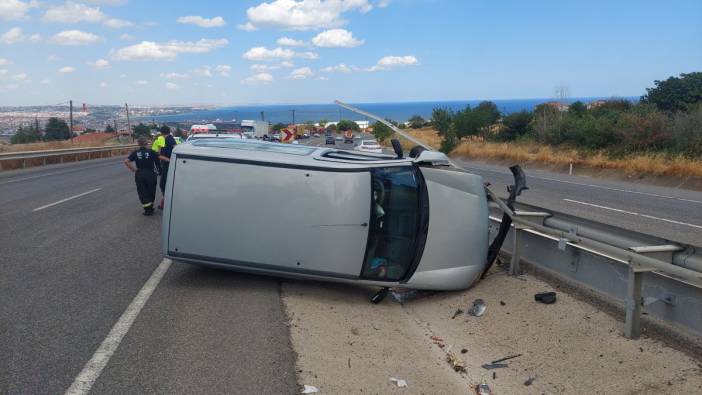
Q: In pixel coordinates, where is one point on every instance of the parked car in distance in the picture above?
(339, 138)
(315, 135)
(368, 146)
(329, 139)
(391, 229)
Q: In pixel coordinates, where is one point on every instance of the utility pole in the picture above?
(129, 124)
(70, 119)
(293, 117)
(115, 121)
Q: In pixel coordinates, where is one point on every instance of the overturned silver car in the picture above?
(328, 214)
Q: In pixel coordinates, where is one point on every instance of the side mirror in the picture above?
(397, 147)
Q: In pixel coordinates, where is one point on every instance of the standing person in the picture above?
(146, 162)
(164, 154)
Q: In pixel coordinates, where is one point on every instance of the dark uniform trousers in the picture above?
(146, 186)
(164, 174)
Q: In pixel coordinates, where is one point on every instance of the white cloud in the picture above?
(15, 9)
(126, 37)
(247, 27)
(12, 36)
(114, 23)
(103, 84)
(223, 69)
(46, 81)
(389, 62)
(217, 21)
(3, 72)
(107, 2)
(203, 71)
(289, 42)
(19, 77)
(71, 12)
(259, 78)
(141, 82)
(74, 37)
(35, 38)
(303, 14)
(339, 68)
(123, 76)
(4, 62)
(99, 64)
(52, 58)
(307, 55)
(336, 38)
(257, 67)
(149, 50)
(301, 73)
(287, 63)
(383, 3)
(171, 85)
(67, 69)
(265, 54)
(173, 76)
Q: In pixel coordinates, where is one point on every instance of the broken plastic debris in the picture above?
(545, 297)
(482, 389)
(478, 308)
(404, 296)
(529, 381)
(456, 363)
(456, 313)
(506, 358)
(400, 383)
(310, 389)
(490, 366)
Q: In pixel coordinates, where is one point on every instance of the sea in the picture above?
(300, 113)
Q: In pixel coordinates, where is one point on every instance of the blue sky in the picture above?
(312, 51)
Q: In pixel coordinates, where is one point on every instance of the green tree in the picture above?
(516, 125)
(487, 113)
(323, 122)
(332, 128)
(56, 129)
(345, 125)
(26, 135)
(279, 126)
(416, 122)
(449, 141)
(441, 119)
(675, 94)
(381, 131)
(577, 108)
(141, 130)
(109, 129)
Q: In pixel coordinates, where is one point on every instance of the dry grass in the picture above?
(530, 152)
(97, 140)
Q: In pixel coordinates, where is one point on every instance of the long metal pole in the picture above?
(129, 124)
(70, 119)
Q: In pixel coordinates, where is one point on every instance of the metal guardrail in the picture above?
(60, 153)
(643, 273)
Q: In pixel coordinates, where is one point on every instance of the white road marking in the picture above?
(593, 186)
(66, 199)
(91, 371)
(634, 213)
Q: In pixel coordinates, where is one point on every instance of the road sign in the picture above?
(286, 135)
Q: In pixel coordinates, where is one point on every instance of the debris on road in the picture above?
(456, 363)
(490, 366)
(478, 309)
(464, 350)
(400, 383)
(310, 389)
(529, 381)
(545, 297)
(482, 389)
(457, 313)
(506, 358)
(502, 303)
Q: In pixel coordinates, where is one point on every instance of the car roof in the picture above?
(248, 151)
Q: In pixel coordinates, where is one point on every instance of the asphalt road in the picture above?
(70, 269)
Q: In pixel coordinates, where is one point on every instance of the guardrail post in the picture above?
(517, 241)
(632, 304)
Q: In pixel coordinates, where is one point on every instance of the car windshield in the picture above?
(394, 223)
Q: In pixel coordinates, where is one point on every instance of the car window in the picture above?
(394, 223)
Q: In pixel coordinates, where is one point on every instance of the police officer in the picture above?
(165, 142)
(147, 165)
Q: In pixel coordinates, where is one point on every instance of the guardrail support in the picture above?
(514, 268)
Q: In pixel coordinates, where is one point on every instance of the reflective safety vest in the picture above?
(160, 142)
